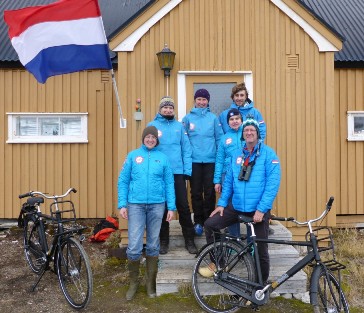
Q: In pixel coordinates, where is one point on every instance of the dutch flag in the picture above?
(63, 37)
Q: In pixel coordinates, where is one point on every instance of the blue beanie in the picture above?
(231, 113)
(251, 122)
(202, 93)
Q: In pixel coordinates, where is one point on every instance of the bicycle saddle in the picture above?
(33, 201)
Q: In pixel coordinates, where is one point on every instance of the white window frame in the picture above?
(352, 136)
(13, 137)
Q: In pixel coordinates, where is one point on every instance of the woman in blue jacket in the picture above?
(230, 142)
(204, 131)
(145, 184)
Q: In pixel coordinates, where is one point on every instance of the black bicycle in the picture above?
(227, 273)
(51, 239)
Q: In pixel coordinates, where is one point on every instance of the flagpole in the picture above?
(122, 119)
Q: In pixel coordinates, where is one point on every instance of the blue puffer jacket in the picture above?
(204, 131)
(147, 178)
(244, 111)
(259, 192)
(230, 142)
(174, 142)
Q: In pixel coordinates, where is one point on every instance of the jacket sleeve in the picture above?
(222, 119)
(219, 164)
(218, 132)
(169, 182)
(227, 188)
(186, 153)
(262, 125)
(124, 181)
(273, 180)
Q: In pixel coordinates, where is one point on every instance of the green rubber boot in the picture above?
(151, 275)
(133, 267)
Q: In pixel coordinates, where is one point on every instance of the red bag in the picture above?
(104, 229)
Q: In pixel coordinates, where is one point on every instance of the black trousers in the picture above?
(230, 216)
(203, 194)
(183, 210)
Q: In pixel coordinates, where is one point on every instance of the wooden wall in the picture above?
(90, 167)
(349, 96)
(293, 86)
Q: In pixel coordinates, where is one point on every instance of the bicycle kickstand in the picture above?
(38, 280)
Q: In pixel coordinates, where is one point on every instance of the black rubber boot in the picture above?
(151, 276)
(164, 236)
(133, 267)
(190, 245)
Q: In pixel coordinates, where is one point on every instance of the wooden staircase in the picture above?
(175, 268)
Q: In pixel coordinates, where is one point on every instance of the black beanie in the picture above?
(150, 130)
(202, 93)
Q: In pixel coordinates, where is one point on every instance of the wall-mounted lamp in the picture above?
(138, 115)
(166, 61)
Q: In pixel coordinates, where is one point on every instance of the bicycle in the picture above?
(236, 273)
(69, 258)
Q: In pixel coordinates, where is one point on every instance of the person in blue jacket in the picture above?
(145, 184)
(204, 131)
(229, 142)
(175, 144)
(252, 182)
(239, 95)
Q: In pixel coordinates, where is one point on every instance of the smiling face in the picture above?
(240, 97)
(201, 102)
(250, 136)
(235, 121)
(150, 141)
(167, 110)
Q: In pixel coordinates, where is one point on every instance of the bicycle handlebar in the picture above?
(323, 214)
(34, 193)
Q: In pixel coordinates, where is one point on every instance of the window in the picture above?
(355, 125)
(47, 127)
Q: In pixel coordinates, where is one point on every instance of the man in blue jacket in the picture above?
(174, 142)
(241, 101)
(252, 181)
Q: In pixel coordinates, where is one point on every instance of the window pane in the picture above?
(49, 126)
(71, 126)
(26, 126)
(358, 124)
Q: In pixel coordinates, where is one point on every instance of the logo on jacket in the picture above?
(139, 159)
(160, 133)
(275, 162)
(228, 141)
(239, 160)
(192, 126)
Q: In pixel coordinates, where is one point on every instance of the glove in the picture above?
(187, 177)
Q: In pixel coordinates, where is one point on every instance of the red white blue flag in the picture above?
(63, 37)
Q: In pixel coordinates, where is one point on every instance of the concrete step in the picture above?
(175, 267)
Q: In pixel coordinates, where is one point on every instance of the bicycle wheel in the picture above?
(33, 246)
(211, 296)
(74, 273)
(326, 293)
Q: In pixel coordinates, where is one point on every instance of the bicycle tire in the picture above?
(32, 240)
(74, 273)
(326, 293)
(212, 297)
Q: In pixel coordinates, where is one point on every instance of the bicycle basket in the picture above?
(326, 247)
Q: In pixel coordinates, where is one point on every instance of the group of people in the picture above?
(224, 155)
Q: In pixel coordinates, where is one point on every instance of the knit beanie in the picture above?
(202, 93)
(166, 101)
(232, 112)
(250, 121)
(150, 130)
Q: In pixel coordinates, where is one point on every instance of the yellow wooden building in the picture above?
(279, 48)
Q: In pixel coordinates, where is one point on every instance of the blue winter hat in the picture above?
(250, 121)
(231, 113)
(202, 93)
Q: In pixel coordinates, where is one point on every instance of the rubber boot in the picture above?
(189, 234)
(133, 267)
(151, 276)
